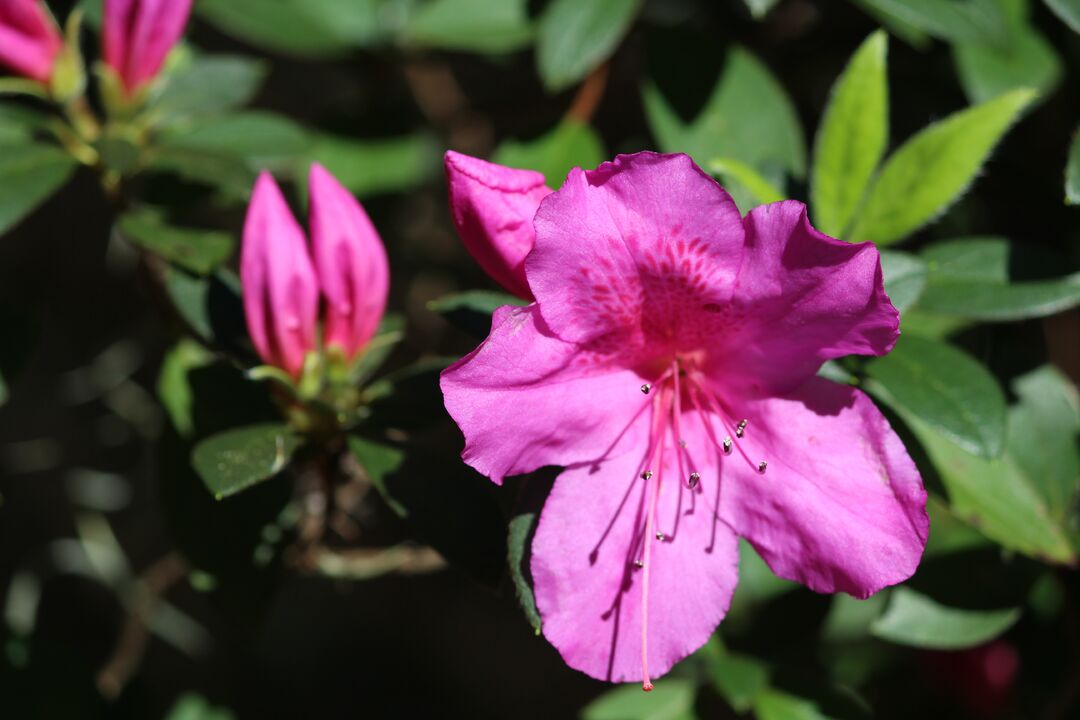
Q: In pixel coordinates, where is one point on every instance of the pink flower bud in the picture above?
(351, 264)
(281, 292)
(29, 39)
(493, 207)
(138, 35)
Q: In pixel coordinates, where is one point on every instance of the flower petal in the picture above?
(642, 247)
(281, 294)
(29, 39)
(493, 208)
(351, 263)
(841, 506)
(525, 398)
(802, 298)
(588, 591)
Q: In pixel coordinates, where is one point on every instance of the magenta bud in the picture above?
(29, 39)
(138, 35)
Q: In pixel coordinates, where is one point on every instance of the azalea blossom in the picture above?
(669, 365)
(137, 36)
(29, 39)
(282, 282)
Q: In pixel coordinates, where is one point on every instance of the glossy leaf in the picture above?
(917, 621)
(971, 20)
(739, 679)
(671, 699)
(261, 139)
(379, 460)
(173, 388)
(471, 25)
(935, 167)
(1067, 10)
(518, 542)
(945, 388)
(905, 277)
(1072, 172)
(776, 705)
(200, 251)
(237, 459)
(574, 37)
(208, 85)
(29, 174)
(571, 144)
(852, 138)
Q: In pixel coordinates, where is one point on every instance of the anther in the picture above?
(741, 428)
(639, 563)
(660, 536)
(761, 467)
(727, 445)
(695, 478)
(646, 475)
(646, 388)
(682, 443)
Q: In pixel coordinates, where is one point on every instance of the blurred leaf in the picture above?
(200, 251)
(671, 699)
(905, 277)
(738, 678)
(390, 332)
(518, 544)
(917, 621)
(1072, 172)
(1043, 427)
(3, 390)
(748, 118)
(237, 459)
(1026, 60)
(950, 534)
(210, 306)
(571, 144)
(208, 85)
(173, 387)
(934, 168)
(968, 277)
(852, 138)
(757, 583)
(471, 25)
(760, 8)
(370, 167)
(18, 123)
(946, 389)
(849, 618)
(231, 173)
(262, 139)
(897, 26)
(471, 310)
(760, 190)
(973, 20)
(574, 37)
(192, 706)
(378, 461)
(1067, 10)
(777, 705)
(29, 174)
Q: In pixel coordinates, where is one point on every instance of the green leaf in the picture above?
(200, 251)
(173, 387)
(777, 705)
(757, 583)
(917, 621)
(3, 390)
(760, 190)
(748, 118)
(371, 167)
(29, 174)
(738, 678)
(471, 25)
(192, 706)
(671, 699)
(905, 277)
(518, 543)
(391, 331)
(934, 168)
(1072, 172)
(379, 460)
(574, 37)
(471, 310)
(570, 144)
(1067, 10)
(946, 389)
(968, 278)
(208, 85)
(262, 139)
(18, 124)
(237, 459)
(954, 20)
(852, 138)
(760, 8)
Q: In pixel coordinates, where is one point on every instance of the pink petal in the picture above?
(281, 293)
(644, 248)
(29, 39)
(802, 298)
(139, 34)
(493, 208)
(588, 591)
(351, 263)
(525, 398)
(841, 506)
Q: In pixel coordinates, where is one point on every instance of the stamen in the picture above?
(646, 475)
(761, 466)
(660, 536)
(727, 445)
(639, 563)
(646, 388)
(695, 478)
(741, 428)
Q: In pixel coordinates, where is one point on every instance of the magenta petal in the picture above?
(281, 293)
(841, 506)
(803, 298)
(29, 39)
(351, 263)
(644, 247)
(139, 34)
(588, 591)
(525, 398)
(493, 208)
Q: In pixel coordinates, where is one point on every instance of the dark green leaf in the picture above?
(571, 144)
(192, 706)
(1027, 61)
(971, 20)
(471, 25)
(471, 310)
(518, 543)
(945, 388)
(777, 705)
(18, 124)
(934, 168)
(237, 459)
(738, 678)
(379, 460)
(574, 37)
(905, 278)
(389, 334)
(208, 85)
(3, 391)
(1072, 172)
(200, 251)
(173, 387)
(262, 139)
(671, 699)
(29, 174)
(750, 182)
(1067, 10)
(852, 138)
(369, 167)
(760, 8)
(917, 621)
(849, 619)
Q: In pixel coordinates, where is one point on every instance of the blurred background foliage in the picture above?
(944, 130)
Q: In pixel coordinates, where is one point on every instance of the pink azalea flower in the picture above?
(281, 284)
(139, 34)
(493, 208)
(29, 39)
(669, 364)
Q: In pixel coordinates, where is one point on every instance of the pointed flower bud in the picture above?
(351, 263)
(138, 35)
(281, 292)
(493, 208)
(29, 39)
